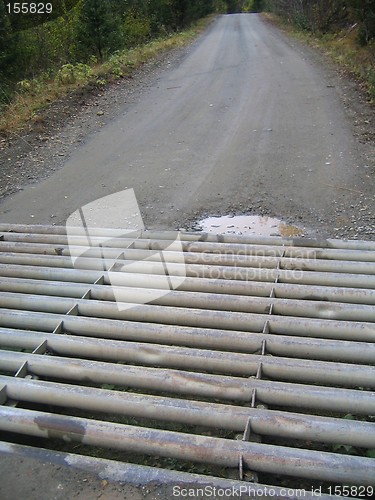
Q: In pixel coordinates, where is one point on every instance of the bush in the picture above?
(135, 30)
(99, 30)
(364, 12)
(302, 21)
(72, 73)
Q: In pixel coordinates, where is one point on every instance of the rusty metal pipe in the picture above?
(93, 347)
(239, 364)
(184, 335)
(265, 422)
(183, 382)
(181, 446)
(226, 320)
(230, 289)
(198, 300)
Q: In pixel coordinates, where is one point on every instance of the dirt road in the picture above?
(245, 121)
(248, 121)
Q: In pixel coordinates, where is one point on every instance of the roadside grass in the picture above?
(33, 96)
(341, 47)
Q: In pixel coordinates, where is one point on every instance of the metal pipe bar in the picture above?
(246, 364)
(58, 288)
(198, 300)
(244, 308)
(226, 320)
(342, 351)
(199, 384)
(193, 257)
(78, 244)
(265, 422)
(180, 334)
(190, 299)
(206, 285)
(239, 364)
(55, 273)
(217, 259)
(296, 276)
(111, 252)
(194, 236)
(224, 452)
(248, 274)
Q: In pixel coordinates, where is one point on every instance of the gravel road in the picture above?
(244, 121)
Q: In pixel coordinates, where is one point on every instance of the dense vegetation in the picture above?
(323, 16)
(84, 31)
(44, 56)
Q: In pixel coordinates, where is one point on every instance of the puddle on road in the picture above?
(249, 225)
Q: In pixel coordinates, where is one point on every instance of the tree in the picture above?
(6, 39)
(314, 15)
(36, 46)
(31, 19)
(258, 5)
(187, 11)
(100, 27)
(364, 12)
(234, 6)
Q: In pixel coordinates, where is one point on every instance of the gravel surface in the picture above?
(45, 144)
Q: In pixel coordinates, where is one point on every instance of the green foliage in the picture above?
(234, 6)
(325, 15)
(117, 65)
(254, 6)
(41, 49)
(73, 73)
(99, 31)
(61, 36)
(351, 450)
(302, 21)
(29, 86)
(84, 32)
(22, 21)
(364, 12)
(370, 76)
(136, 29)
(6, 42)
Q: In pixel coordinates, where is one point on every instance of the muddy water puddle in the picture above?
(257, 225)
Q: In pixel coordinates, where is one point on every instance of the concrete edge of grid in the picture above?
(142, 475)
